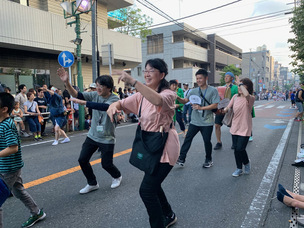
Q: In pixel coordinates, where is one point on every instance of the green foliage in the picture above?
(134, 23)
(288, 86)
(231, 68)
(296, 43)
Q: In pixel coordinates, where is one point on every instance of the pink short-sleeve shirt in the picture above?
(242, 118)
(153, 117)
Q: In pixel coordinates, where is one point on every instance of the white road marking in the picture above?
(269, 106)
(281, 106)
(256, 209)
(259, 106)
(70, 136)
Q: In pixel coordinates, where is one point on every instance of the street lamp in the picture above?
(74, 9)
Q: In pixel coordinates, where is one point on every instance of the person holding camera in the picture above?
(201, 117)
(241, 126)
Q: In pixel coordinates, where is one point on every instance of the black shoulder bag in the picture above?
(147, 148)
(213, 110)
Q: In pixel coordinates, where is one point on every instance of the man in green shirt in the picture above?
(178, 106)
(230, 91)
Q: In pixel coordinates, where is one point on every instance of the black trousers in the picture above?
(179, 119)
(206, 132)
(154, 197)
(240, 153)
(88, 148)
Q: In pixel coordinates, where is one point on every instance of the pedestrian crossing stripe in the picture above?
(269, 106)
(282, 106)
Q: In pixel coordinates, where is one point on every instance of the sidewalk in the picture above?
(279, 215)
(50, 135)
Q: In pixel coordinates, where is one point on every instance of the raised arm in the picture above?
(64, 76)
(182, 100)
(151, 95)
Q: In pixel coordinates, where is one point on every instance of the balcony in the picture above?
(189, 51)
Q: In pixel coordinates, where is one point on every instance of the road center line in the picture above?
(68, 171)
(256, 209)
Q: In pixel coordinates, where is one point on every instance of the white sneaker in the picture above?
(66, 140)
(55, 143)
(116, 182)
(24, 134)
(89, 188)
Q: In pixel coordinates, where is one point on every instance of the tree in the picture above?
(134, 23)
(231, 68)
(297, 27)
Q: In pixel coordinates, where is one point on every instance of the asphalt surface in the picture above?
(199, 197)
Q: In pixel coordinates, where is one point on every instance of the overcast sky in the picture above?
(273, 32)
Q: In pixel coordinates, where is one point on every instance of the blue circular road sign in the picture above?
(66, 59)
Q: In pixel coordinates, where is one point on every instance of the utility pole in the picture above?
(94, 57)
(79, 72)
(250, 65)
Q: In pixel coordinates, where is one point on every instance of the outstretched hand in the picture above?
(63, 74)
(112, 110)
(78, 101)
(125, 77)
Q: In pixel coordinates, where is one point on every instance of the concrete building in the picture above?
(258, 69)
(221, 53)
(34, 32)
(185, 50)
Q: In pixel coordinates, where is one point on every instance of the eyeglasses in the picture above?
(149, 71)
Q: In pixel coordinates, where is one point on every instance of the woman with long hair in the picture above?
(157, 103)
(241, 126)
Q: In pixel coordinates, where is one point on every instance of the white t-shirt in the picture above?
(31, 105)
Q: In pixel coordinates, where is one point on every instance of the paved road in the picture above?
(200, 197)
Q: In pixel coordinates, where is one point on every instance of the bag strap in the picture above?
(139, 112)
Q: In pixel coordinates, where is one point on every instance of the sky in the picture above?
(272, 32)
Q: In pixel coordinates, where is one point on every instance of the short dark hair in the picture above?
(247, 82)
(7, 100)
(21, 87)
(29, 94)
(39, 90)
(202, 72)
(105, 80)
(171, 82)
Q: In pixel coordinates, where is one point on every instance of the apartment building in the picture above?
(259, 68)
(221, 53)
(185, 50)
(34, 32)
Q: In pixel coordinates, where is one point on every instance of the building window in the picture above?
(139, 71)
(155, 44)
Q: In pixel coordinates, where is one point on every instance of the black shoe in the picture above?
(207, 164)
(232, 147)
(218, 146)
(40, 138)
(298, 164)
(170, 220)
(180, 162)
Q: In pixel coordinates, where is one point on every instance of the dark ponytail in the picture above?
(164, 84)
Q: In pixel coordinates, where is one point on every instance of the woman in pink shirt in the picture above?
(158, 104)
(241, 124)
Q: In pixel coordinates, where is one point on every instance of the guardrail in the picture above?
(42, 113)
